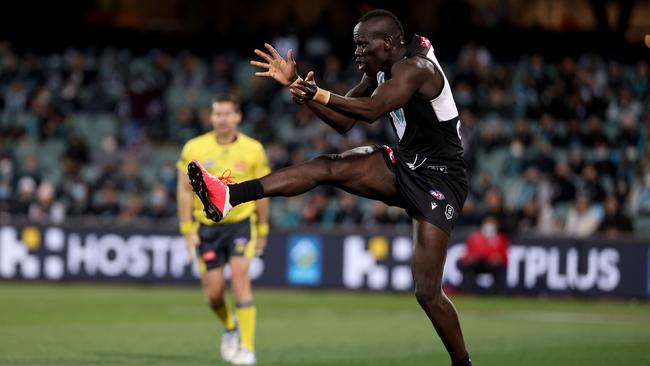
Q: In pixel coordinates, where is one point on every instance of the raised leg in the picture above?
(361, 171)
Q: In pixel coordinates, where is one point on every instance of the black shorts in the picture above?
(438, 198)
(220, 242)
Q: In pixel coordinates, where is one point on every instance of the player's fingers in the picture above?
(298, 100)
(263, 55)
(297, 93)
(290, 56)
(263, 73)
(191, 254)
(273, 51)
(307, 85)
(310, 76)
(302, 89)
(260, 64)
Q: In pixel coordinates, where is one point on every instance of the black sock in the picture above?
(250, 190)
(465, 361)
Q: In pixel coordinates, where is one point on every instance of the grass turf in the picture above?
(63, 324)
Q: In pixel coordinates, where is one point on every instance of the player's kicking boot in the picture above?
(229, 345)
(244, 357)
(214, 194)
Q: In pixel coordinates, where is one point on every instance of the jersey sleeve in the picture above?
(261, 166)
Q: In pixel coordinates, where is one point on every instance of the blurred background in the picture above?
(98, 97)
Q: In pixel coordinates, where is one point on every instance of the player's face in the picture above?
(370, 52)
(225, 118)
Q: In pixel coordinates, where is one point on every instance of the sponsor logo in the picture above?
(424, 42)
(240, 244)
(437, 195)
(449, 212)
(209, 255)
(377, 264)
(304, 260)
(433, 206)
(438, 168)
(56, 254)
(240, 165)
(553, 268)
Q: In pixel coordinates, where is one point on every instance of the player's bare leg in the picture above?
(361, 171)
(246, 311)
(214, 284)
(427, 264)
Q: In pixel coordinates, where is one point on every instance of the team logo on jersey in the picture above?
(437, 195)
(414, 165)
(433, 206)
(424, 42)
(449, 212)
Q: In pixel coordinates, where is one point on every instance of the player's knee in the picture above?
(215, 300)
(327, 163)
(428, 296)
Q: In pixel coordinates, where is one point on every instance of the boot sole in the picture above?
(201, 190)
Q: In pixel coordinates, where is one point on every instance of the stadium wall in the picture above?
(374, 262)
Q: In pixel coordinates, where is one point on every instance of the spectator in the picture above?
(528, 217)
(640, 200)
(46, 210)
(525, 190)
(6, 182)
(159, 203)
(107, 205)
(133, 211)
(590, 185)
(348, 213)
(583, 219)
(129, 180)
(377, 217)
(615, 222)
(494, 207)
(486, 251)
(563, 189)
(23, 199)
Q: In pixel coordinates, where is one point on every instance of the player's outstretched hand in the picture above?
(281, 70)
(303, 90)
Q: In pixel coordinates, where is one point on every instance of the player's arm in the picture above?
(340, 121)
(284, 72)
(184, 195)
(408, 78)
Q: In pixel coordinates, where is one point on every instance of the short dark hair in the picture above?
(224, 98)
(383, 13)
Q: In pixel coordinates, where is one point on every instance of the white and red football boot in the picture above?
(213, 192)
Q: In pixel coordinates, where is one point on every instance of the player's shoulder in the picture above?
(412, 64)
(200, 140)
(249, 141)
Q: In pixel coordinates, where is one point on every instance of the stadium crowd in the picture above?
(552, 147)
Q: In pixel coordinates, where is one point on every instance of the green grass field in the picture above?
(61, 324)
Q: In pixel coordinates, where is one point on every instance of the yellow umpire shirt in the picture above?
(245, 158)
